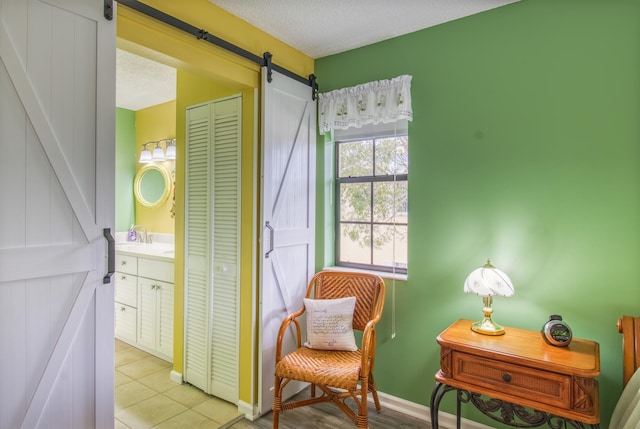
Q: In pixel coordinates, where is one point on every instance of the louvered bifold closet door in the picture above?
(212, 243)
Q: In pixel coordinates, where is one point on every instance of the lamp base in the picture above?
(486, 326)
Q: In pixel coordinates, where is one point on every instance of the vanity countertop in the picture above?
(159, 251)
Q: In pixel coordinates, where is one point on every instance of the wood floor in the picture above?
(328, 416)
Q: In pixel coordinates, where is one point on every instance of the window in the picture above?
(372, 203)
(369, 125)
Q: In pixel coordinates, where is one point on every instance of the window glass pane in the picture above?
(390, 244)
(355, 242)
(355, 202)
(355, 158)
(392, 156)
(390, 201)
(372, 205)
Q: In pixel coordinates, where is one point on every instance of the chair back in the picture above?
(369, 290)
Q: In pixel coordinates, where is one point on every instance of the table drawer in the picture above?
(501, 377)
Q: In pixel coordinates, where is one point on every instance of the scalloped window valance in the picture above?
(382, 101)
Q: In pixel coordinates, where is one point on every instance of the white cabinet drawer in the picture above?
(126, 289)
(126, 264)
(154, 269)
(126, 322)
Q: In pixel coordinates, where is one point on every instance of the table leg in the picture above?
(436, 397)
(458, 410)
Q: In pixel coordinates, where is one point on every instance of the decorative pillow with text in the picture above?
(329, 324)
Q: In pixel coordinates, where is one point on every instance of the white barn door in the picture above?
(57, 65)
(288, 213)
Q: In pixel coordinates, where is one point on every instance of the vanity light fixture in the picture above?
(159, 154)
(145, 155)
(488, 281)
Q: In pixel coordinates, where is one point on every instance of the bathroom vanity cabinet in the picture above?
(144, 301)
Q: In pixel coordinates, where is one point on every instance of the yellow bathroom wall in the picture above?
(153, 124)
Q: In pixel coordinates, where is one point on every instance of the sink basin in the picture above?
(157, 249)
(132, 247)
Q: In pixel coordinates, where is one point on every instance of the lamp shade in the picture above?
(170, 153)
(145, 155)
(488, 281)
(158, 153)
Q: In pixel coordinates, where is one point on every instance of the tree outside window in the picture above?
(372, 203)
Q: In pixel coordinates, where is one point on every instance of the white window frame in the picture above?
(367, 132)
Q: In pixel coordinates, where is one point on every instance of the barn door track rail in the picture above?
(264, 61)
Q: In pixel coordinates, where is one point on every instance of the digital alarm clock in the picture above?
(556, 332)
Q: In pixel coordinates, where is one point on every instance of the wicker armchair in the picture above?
(338, 374)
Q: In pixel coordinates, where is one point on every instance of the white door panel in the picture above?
(57, 138)
(212, 240)
(288, 217)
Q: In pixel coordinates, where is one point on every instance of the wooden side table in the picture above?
(528, 382)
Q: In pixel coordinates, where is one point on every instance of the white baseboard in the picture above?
(446, 420)
(403, 406)
(175, 376)
(250, 413)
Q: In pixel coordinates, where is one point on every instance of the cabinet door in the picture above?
(147, 312)
(155, 316)
(164, 318)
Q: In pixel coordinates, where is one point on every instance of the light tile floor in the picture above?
(146, 397)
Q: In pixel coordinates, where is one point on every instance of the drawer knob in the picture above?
(506, 377)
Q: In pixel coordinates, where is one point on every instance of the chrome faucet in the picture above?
(141, 237)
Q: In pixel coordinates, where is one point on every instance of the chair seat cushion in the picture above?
(339, 369)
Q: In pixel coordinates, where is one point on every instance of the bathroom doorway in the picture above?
(206, 89)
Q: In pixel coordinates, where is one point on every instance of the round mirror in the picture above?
(152, 185)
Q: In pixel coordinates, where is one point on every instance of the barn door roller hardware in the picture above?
(108, 9)
(264, 61)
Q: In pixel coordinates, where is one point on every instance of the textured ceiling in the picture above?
(315, 27)
(323, 27)
(141, 82)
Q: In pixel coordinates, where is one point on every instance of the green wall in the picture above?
(524, 148)
(125, 168)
